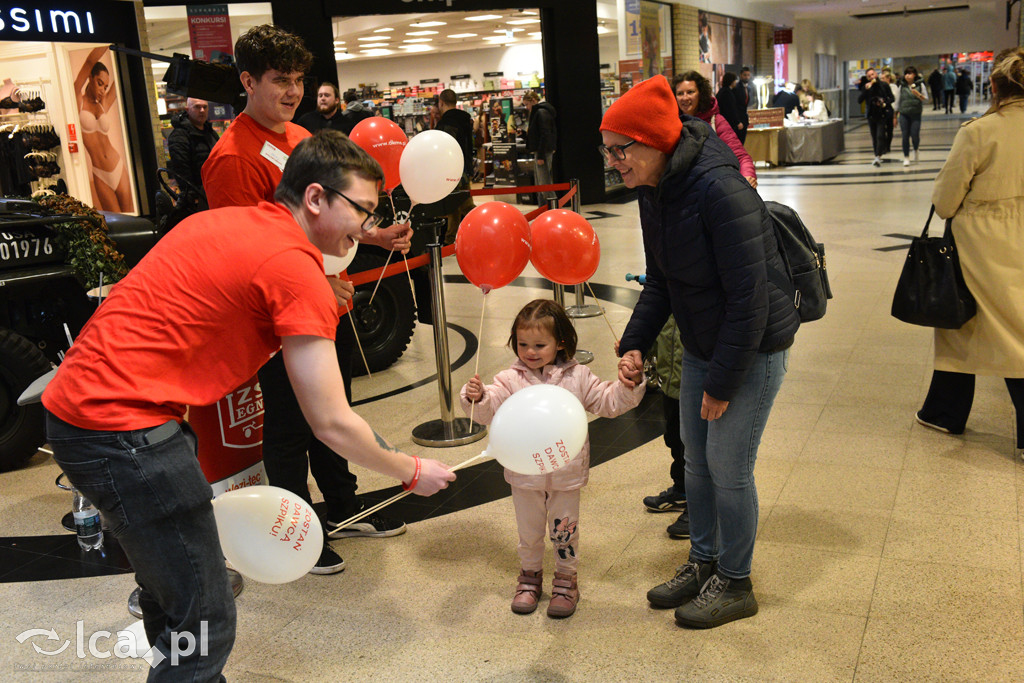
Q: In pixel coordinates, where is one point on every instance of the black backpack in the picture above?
(805, 279)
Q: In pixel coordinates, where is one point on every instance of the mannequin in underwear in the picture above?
(95, 94)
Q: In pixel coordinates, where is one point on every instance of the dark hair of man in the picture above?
(351, 96)
(728, 79)
(704, 95)
(328, 158)
(332, 87)
(744, 70)
(448, 97)
(266, 47)
(548, 315)
(97, 69)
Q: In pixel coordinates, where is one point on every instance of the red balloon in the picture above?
(384, 140)
(565, 247)
(493, 245)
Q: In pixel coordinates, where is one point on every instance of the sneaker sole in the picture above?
(524, 610)
(665, 603)
(681, 537)
(333, 569)
(668, 507)
(929, 425)
(355, 531)
(742, 614)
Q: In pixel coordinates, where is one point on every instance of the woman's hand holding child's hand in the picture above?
(631, 369)
(475, 389)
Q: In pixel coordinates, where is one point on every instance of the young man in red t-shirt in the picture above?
(243, 169)
(198, 315)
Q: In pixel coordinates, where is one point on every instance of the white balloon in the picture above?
(431, 166)
(335, 264)
(268, 534)
(538, 430)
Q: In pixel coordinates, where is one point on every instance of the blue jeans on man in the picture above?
(720, 454)
(155, 500)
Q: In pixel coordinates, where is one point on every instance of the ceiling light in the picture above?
(462, 35)
(427, 24)
(373, 38)
(506, 31)
(421, 33)
(538, 34)
(376, 53)
(417, 40)
(484, 17)
(516, 22)
(416, 48)
(602, 30)
(339, 42)
(499, 39)
(383, 30)
(374, 45)
(342, 56)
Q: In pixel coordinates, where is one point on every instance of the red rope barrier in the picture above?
(525, 189)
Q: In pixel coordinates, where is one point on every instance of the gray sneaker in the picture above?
(668, 500)
(721, 600)
(682, 587)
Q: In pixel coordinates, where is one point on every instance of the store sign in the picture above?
(52, 22)
(459, 77)
(783, 36)
(66, 21)
(428, 81)
(398, 84)
(493, 74)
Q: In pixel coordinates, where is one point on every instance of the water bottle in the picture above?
(87, 522)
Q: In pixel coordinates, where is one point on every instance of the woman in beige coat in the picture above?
(982, 187)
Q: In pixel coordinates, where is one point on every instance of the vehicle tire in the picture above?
(384, 327)
(21, 427)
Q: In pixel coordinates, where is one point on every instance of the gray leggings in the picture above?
(910, 127)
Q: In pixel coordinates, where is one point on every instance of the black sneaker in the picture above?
(681, 527)
(932, 425)
(373, 525)
(721, 600)
(682, 587)
(329, 563)
(668, 500)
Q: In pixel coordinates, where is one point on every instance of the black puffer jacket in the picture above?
(189, 147)
(707, 238)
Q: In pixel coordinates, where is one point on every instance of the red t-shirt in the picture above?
(245, 165)
(199, 315)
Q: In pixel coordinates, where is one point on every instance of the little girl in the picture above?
(544, 340)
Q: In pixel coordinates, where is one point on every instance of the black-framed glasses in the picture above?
(372, 220)
(614, 152)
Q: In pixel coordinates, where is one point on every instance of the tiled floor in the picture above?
(886, 552)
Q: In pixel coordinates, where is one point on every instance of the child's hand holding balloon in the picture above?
(475, 389)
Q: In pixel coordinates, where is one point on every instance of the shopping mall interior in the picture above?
(885, 551)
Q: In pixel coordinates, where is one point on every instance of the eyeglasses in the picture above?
(372, 220)
(614, 152)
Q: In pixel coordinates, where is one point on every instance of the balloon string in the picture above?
(390, 254)
(380, 506)
(352, 312)
(476, 367)
(603, 313)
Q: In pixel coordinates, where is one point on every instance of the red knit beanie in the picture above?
(647, 113)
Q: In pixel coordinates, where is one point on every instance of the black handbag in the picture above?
(931, 290)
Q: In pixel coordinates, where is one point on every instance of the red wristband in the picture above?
(415, 476)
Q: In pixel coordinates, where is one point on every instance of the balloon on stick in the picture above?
(538, 430)
(431, 166)
(333, 265)
(268, 534)
(493, 245)
(384, 140)
(565, 247)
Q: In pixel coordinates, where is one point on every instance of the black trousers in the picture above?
(291, 452)
(951, 396)
(877, 128)
(674, 441)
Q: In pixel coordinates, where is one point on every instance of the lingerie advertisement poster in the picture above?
(98, 119)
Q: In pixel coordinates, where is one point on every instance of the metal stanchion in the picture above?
(580, 309)
(448, 431)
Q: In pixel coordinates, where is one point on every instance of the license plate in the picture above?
(23, 247)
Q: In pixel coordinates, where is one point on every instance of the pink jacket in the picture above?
(605, 399)
(728, 136)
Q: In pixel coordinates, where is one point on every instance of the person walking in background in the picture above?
(355, 111)
(981, 189)
(890, 110)
(749, 88)
(189, 145)
(935, 85)
(964, 87)
(878, 97)
(327, 113)
(708, 241)
(948, 87)
(910, 100)
(458, 124)
(544, 340)
(541, 138)
(732, 105)
(694, 98)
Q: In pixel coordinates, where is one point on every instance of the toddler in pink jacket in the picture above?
(544, 340)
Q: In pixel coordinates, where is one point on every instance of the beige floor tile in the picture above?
(968, 541)
(805, 391)
(958, 456)
(805, 578)
(958, 494)
(884, 420)
(882, 374)
(854, 450)
(812, 483)
(842, 530)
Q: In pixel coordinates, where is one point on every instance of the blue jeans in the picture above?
(155, 500)
(720, 492)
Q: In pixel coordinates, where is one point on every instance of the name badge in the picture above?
(274, 155)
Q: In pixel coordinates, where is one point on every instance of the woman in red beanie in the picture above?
(709, 244)
(693, 94)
